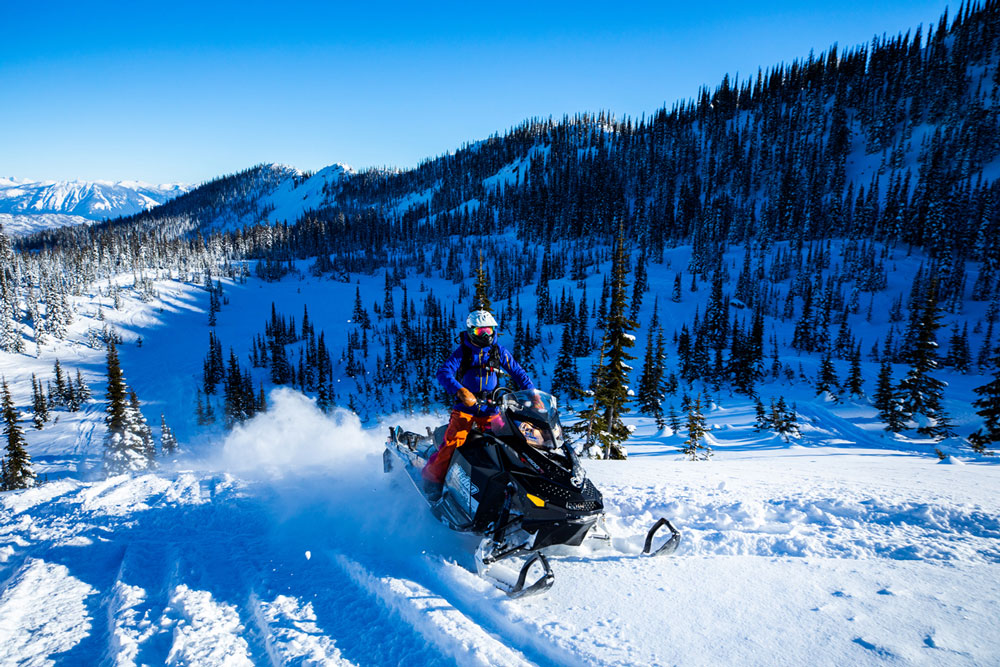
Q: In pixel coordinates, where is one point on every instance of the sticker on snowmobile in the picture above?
(460, 480)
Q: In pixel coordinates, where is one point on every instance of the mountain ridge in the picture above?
(28, 206)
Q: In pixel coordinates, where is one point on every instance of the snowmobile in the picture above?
(520, 486)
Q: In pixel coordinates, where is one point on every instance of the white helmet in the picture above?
(480, 318)
(475, 321)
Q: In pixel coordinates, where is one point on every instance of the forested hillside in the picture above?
(816, 179)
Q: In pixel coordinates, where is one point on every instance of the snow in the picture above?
(205, 631)
(283, 542)
(291, 201)
(27, 207)
(856, 555)
(43, 612)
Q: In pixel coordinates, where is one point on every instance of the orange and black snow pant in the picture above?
(454, 437)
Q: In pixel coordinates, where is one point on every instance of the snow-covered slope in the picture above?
(792, 555)
(283, 542)
(296, 196)
(27, 206)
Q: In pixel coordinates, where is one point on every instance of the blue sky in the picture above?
(186, 91)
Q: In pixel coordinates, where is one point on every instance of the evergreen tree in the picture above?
(989, 409)
(565, 377)
(17, 472)
(695, 446)
(38, 403)
(959, 357)
(761, 420)
(827, 379)
(884, 391)
(388, 307)
(60, 379)
(168, 442)
(82, 389)
(125, 449)
(611, 379)
(651, 389)
(481, 300)
(137, 425)
(921, 393)
(673, 420)
(854, 385)
(783, 421)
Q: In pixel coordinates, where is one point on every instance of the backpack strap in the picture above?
(492, 362)
(466, 362)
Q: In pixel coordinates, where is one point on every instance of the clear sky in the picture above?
(185, 91)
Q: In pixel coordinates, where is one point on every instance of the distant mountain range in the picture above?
(30, 206)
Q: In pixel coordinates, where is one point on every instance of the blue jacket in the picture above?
(479, 378)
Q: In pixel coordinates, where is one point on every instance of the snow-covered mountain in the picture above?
(262, 194)
(29, 206)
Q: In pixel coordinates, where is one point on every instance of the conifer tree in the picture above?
(827, 379)
(481, 299)
(651, 393)
(565, 377)
(57, 393)
(854, 385)
(675, 294)
(611, 385)
(125, 449)
(38, 403)
(17, 472)
(168, 441)
(761, 420)
(138, 426)
(695, 446)
(783, 420)
(673, 420)
(920, 393)
(989, 409)
(884, 391)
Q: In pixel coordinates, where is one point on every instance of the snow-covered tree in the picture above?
(38, 403)
(125, 445)
(168, 441)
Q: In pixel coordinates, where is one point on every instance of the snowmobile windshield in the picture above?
(536, 415)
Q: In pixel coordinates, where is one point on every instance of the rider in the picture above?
(471, 374)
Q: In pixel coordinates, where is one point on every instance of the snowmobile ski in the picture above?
(668, 547)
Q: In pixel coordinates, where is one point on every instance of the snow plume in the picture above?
(294, 434)
(323, 475)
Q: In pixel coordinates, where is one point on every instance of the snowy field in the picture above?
(790, 556)
(283, 542)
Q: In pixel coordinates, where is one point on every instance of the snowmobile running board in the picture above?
(668, 547)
